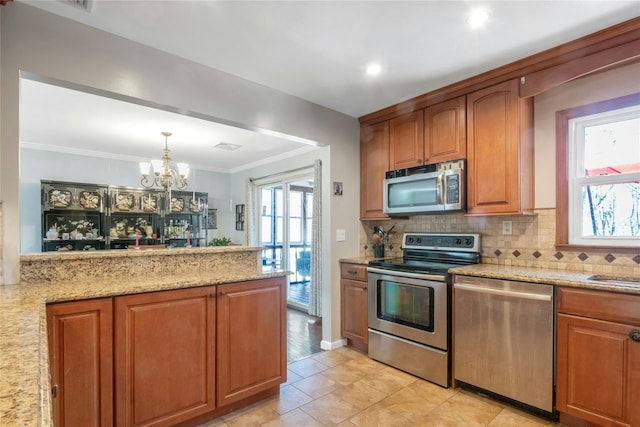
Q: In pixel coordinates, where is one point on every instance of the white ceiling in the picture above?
(55, 118)
(315, 50)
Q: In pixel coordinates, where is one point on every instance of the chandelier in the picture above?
(163, 175)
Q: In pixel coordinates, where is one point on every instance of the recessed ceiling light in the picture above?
(374, 69)
(477, 18)
(227, 146)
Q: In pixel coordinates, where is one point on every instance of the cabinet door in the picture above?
(445, 129)
(374, 163)
(406, 140)
(164, 356)
(81, 362)
(252, 338)
(499, 151)
(354, 312)
(598, 371)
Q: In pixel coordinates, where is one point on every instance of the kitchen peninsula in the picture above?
(114, 276)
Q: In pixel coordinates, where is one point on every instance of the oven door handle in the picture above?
(423, 276)
(514, 294)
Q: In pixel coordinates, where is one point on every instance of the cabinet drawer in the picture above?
(353, 271)
(600, 305)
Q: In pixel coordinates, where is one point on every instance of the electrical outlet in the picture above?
(507, 227)
(340, 235)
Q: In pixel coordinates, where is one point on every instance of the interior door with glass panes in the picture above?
(285, 229)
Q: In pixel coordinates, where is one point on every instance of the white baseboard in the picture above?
(328, 345)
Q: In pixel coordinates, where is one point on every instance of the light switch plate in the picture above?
(341, 235)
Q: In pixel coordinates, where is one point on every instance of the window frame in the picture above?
(562, 168)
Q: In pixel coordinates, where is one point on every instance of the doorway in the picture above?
(304, 334)
(285, 233)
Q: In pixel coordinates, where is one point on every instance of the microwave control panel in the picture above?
(453, 189)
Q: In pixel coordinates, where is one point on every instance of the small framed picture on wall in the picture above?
(212, 219)
(239, 217)
(337, 188)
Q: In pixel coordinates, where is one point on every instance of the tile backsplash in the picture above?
(531, 244)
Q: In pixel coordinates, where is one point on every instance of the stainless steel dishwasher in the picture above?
(504, 338)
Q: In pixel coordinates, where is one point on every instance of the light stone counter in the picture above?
(362, 260)
(546, 276)
(55, 277)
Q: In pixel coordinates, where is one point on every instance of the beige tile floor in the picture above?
(345, 388)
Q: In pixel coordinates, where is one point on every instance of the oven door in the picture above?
(413, 306)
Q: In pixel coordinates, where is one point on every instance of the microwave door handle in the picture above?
(440, 189)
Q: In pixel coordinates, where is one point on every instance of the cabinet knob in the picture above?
(54, 390)
(212, 295)
(635, 335)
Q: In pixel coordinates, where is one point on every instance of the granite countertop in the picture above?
(132, 253)
(535, 275)
(24, 366)
(549, 277)
(362, 260)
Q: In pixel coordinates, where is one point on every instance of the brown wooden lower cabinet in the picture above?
(169, 357)
(81, 362)
(165, 356)
(252, 338)
(354, 305)
(598, 363)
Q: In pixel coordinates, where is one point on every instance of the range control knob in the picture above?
(458, 241)
(468, 241)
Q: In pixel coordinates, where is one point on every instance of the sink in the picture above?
(617, 280)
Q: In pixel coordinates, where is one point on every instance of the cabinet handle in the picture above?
(54, 390)
(635, 335)
(351, 271)
(222, 293)
(213, 295)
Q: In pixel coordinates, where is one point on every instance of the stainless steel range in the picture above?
(410, 303)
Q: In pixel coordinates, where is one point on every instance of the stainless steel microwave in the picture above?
(433, 188)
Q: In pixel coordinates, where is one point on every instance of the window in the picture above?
(598, 157)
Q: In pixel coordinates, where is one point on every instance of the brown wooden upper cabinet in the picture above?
(374, 162)
(499, 151)
(406, 141)
(433, 135)
(445, 128)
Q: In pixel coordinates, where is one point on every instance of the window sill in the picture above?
(585, 248)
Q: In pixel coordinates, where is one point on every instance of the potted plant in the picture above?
(221, 241)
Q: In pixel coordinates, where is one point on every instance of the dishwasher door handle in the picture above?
(492, 291)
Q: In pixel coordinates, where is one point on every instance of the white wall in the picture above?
(46, 45)
(339, 212)
(597, 87)
(36, 165)
(331, 251)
